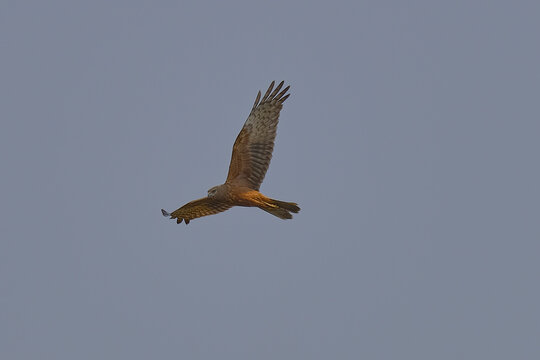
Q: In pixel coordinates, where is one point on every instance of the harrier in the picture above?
(251, 155)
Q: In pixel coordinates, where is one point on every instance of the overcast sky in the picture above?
(410, 141)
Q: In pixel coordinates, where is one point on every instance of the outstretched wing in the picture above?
(252, 150)
(196, 209)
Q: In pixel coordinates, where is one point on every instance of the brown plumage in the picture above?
(251, 155)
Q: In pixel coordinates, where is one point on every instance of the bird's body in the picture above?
(252, 152)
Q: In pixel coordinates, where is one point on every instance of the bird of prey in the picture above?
(251, 155)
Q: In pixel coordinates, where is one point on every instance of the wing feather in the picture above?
(252, 150)
(197, 208)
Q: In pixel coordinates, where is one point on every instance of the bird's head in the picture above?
(212, 192)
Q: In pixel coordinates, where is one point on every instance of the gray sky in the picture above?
(410, 140)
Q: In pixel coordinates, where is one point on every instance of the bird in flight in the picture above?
(251, 155)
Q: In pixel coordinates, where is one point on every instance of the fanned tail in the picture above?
(289, 206)
(281, 209)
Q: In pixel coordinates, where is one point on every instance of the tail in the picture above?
(281, 209)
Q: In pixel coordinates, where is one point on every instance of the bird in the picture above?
(251, 155)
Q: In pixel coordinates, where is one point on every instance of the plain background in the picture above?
(410, 140)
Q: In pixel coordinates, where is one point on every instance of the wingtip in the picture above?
(165, 213)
